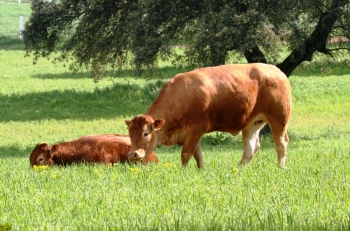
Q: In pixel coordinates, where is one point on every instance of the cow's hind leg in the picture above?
(251, 143)
(280, 138)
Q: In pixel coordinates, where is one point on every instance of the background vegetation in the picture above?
(46, 103)
(103, 35)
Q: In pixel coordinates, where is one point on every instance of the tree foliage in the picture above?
(101, 34)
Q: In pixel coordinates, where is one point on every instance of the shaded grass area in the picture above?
(118, 100)
(11, 43)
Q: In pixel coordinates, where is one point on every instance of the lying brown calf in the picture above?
(107, 148)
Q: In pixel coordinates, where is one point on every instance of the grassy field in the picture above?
(46, 103)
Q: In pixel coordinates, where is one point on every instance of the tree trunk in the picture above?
(218, 56)
(255, 55)
(317, 40)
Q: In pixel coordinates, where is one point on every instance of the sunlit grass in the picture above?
(37, 106)
(153, 197)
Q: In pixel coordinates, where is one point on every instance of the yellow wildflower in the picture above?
(39, 168)
(169, 165)
(135, 170)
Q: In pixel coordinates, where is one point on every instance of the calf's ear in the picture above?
(54, 150)
(43, 146)
(128, 123)
(158, 124)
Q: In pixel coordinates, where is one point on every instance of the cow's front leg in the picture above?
(198, 155)
(192, 147)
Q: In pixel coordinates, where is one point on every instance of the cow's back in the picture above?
(223, 98)
(242, 92)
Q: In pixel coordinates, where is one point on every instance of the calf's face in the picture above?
(143, 137)
(41, 155)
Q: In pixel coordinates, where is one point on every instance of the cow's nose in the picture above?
(133, 155)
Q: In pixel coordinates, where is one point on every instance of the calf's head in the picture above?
(143, 136)
(41, 155)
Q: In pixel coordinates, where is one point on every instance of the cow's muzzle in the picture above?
(136, 156)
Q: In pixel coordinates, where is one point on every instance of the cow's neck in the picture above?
(168, 134)
(155, 113)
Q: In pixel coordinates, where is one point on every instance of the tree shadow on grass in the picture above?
(11, 43)
(81, 75)
(166, 72)
(66, 75)
(14, 151)
(118, 100)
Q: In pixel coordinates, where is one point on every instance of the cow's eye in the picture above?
(41, 159)
(145, 134)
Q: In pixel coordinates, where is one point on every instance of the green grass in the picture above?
(46, 103)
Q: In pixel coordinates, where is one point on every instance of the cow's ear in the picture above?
(128, 123)
(54, 150)
(43, 146)
(158, 124)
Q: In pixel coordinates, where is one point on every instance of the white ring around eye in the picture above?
(40, 159)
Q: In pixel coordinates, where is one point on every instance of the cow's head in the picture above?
(142, 132)
(41, 155)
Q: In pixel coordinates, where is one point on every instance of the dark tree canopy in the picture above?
(100, 34)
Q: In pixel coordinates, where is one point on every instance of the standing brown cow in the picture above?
(227, 98)
(107, 148)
